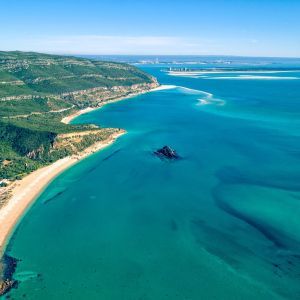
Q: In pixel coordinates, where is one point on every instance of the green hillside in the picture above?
(42, 74)
(38, 90)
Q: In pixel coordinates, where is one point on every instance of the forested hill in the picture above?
(38, 90)
(24, 74)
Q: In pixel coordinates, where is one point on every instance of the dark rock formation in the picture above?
(8, 266)
(166, 152)
(6, 285)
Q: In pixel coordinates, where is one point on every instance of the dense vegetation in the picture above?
(35, 74)
(38, 90)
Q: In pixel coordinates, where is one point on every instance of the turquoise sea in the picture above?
(223, 222)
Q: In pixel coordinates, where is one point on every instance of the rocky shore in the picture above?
(8, 266)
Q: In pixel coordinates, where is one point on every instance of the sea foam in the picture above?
(253, 77)
(208, 98)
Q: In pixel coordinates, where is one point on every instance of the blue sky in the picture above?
(215, 27)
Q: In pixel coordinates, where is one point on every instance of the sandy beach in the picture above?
(25, 191)
(69, 118)
(164, 87)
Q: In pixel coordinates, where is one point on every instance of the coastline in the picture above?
(68, 119)
(25, 191)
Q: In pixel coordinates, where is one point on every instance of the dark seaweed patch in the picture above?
(10, 265)
(111, 155)
(95, 166)
(53, 197)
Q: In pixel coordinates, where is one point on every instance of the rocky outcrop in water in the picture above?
(6, 286)
(166, 152)
(8, 266)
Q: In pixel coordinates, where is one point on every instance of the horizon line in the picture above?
(155, 55)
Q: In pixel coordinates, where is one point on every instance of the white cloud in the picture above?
(143, 45)
(102, 44)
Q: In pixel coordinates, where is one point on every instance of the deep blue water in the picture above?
(220, 223)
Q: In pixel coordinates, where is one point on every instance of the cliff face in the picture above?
(97, 96)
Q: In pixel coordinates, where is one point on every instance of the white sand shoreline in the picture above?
(164, 87)
(29, 188)
(25, 191)
(207, 72)
(69, 118)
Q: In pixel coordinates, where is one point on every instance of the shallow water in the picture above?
(221, 223)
